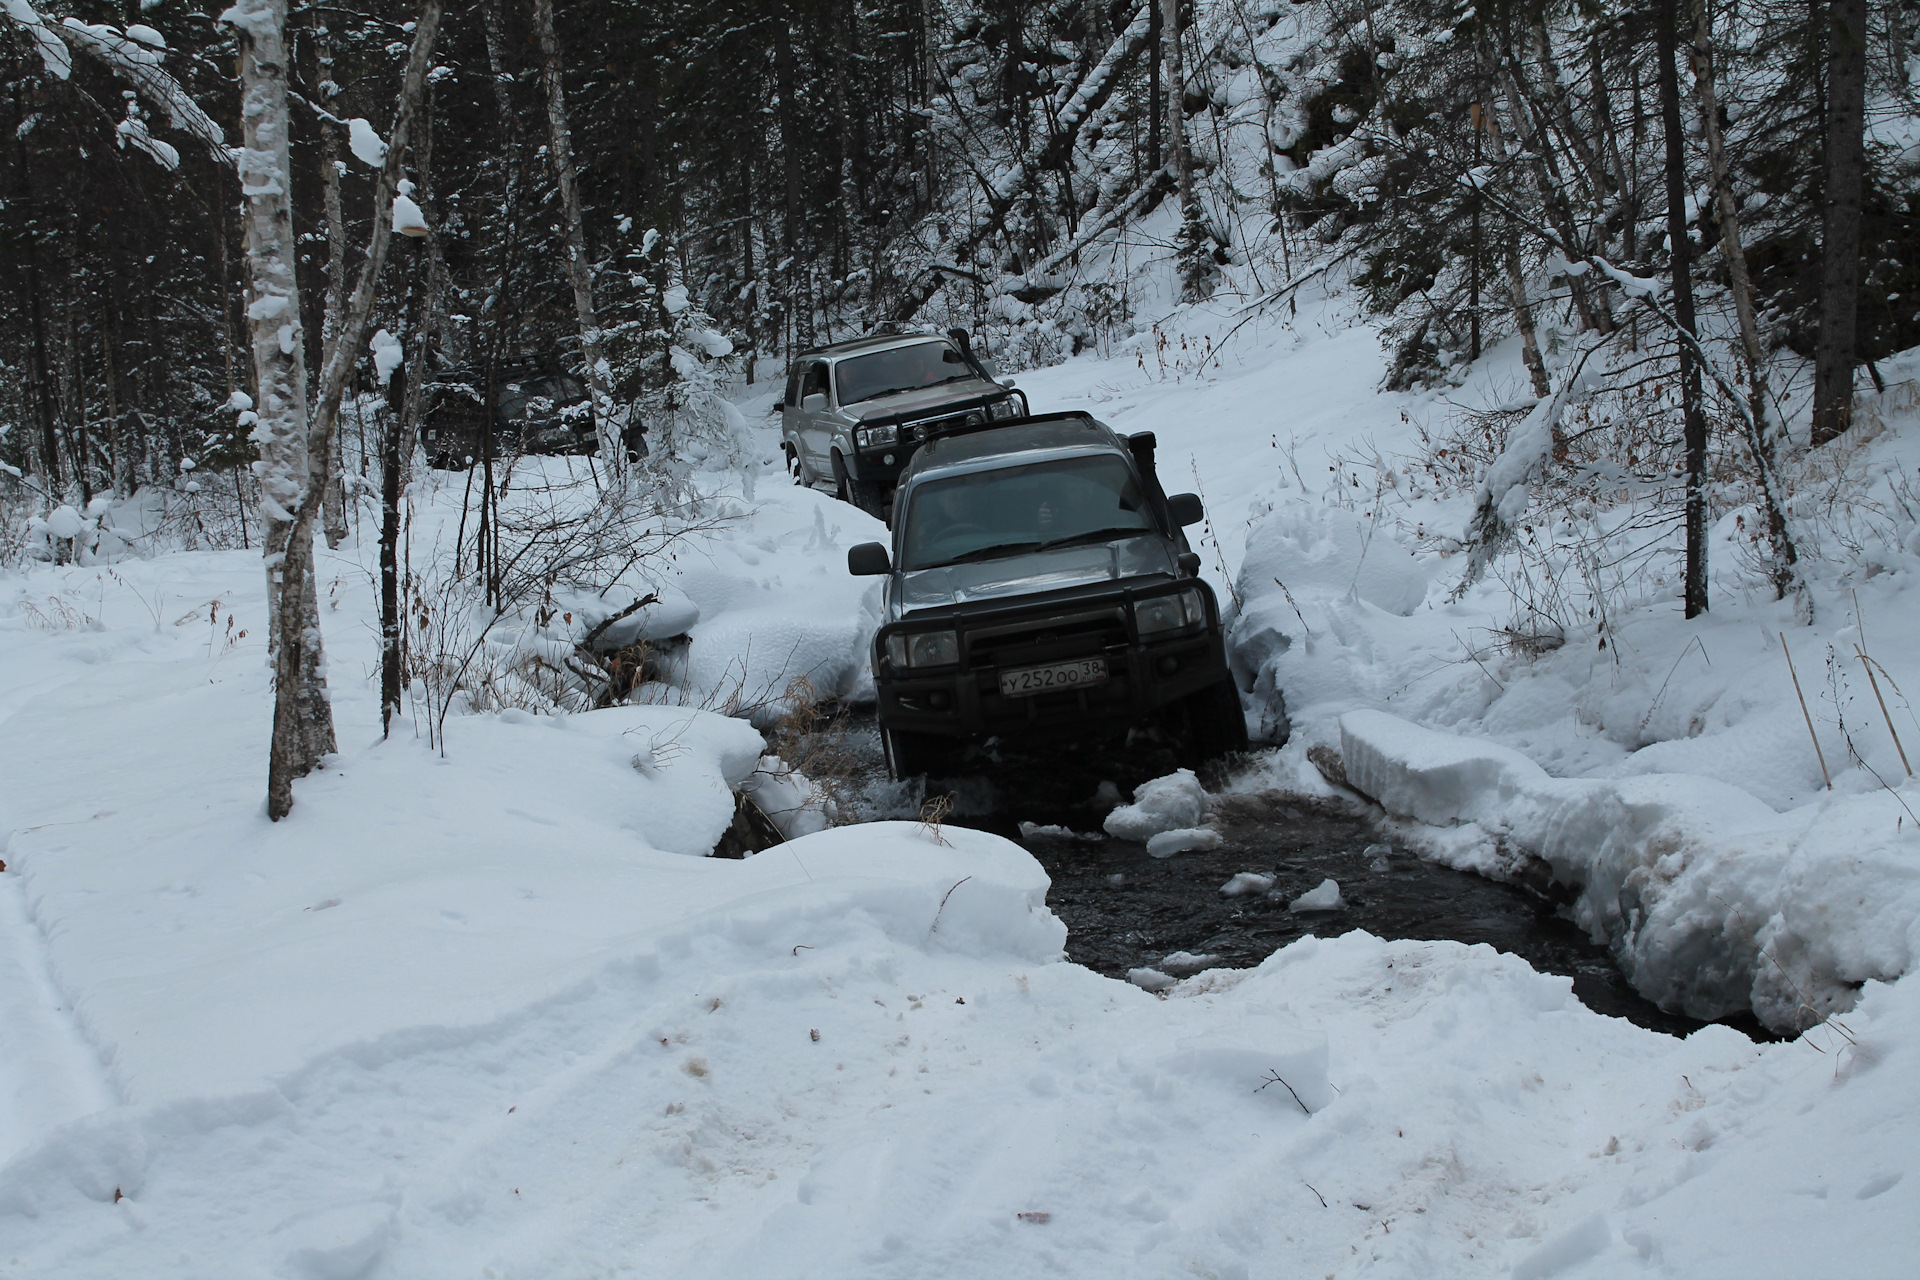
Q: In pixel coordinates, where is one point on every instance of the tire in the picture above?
(911, 755)
(839, 476)
(868, 496)
(1216, 723)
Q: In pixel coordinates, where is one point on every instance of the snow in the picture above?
(480, 1005)
(64, 522)
(387, 355)
(1176, 802)
(54, 57)
(366, 144)
(408, 220)
(1711, 901)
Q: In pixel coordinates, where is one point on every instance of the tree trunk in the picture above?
(302, 714)
(402, 434)
(1517, 280)
(296, 452)
(1172, 46)
(1154, 44)
(333, 509)
(1681, 248)
(1843, 175)
(579, 271)
(1731, 246)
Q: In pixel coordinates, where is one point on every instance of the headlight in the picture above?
(1184, 608)
(877, 437)
(1003, 409)
(923, 649)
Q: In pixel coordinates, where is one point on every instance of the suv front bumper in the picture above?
(965, 702)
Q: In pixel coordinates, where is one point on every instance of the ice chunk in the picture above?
(1323, 897)
(1247, 882)
(1150, 979)
(1054, 831)
(1164, 804)
(1185, 962)
(1183, 840)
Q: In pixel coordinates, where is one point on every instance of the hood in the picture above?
(1034, 572)
(927, 401)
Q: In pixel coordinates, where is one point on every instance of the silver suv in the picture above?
(854, 412)
(1039, 587)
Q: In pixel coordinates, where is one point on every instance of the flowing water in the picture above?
(1126, 910)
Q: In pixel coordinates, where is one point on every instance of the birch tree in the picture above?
(296, 446)
(579, 270)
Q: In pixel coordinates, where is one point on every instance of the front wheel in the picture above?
(1216, 723)
(912, 755)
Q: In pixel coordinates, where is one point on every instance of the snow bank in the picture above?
(1712, 902)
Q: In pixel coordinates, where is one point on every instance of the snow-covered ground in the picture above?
(484, 1010)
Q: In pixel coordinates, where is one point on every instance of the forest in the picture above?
(1704, 215)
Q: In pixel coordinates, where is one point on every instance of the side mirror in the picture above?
(868, 560)
(1009, 384)
(949, 356)
(815, 403)
(1185, 509)
(1189, 562)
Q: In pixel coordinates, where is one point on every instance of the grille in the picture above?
(923, 428)
(1047, 638)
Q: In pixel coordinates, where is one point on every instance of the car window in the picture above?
(901, 369)
(814, 382)
(1012, 510)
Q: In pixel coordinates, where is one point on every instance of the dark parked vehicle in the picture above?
(1039, 586)
(856, 411)
(537, 409)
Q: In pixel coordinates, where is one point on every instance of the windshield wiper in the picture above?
(894, 391)
(1095, 535)
(997, 549)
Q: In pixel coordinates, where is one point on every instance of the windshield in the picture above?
(901, 369)
(988, 514)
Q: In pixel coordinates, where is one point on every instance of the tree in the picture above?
(1843, 177)
(599, 375)
(296, 449)
(1680, 251)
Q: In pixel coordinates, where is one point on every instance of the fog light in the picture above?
(1168, 665)
(939, 699)
(888, 459)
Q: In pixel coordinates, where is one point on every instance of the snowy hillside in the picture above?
(486, 1009)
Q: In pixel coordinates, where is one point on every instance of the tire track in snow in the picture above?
(49, 1074)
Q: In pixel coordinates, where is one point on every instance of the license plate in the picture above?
(1061, 675)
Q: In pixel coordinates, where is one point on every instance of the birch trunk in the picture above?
(1172, 45)
(302, 713)
(579, 270)
(296, 449)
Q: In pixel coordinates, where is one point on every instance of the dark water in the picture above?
(1124, 909)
